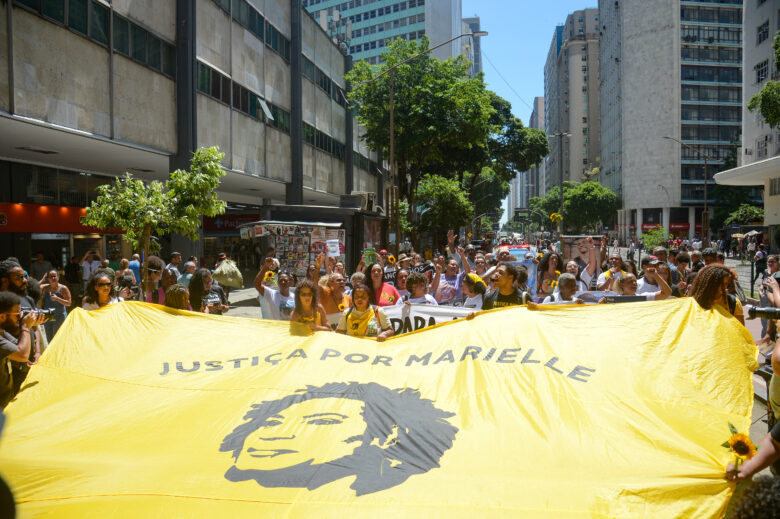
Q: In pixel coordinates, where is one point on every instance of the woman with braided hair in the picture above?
(711, 287)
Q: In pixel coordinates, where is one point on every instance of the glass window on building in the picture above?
(762, 70)
(762, 33)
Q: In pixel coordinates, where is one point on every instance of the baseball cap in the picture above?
(383, 251)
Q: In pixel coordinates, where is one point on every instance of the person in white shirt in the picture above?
(648, 283)
(275, 304)
(567, 285)
(627, 286)
(474, 288)
(417, 285)
(89, 264)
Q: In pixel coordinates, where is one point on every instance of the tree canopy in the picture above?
(746, 214)
(446, 204)
(584, 206)
(156, 208)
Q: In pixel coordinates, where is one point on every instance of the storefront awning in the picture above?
(753, 174)
(332, 225)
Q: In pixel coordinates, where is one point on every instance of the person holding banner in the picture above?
(505, 294)
(616, 271)
(307, 310)
(364, 320)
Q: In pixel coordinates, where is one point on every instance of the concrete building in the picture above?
(760, 151)
(471, 46)
(93, 89)
(571, 79)
(530, 183)
(367, 26)
(668, 69)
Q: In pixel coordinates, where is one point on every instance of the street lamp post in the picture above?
(705, 217)
(391, 71)
(560, 136)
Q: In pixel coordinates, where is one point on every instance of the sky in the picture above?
(515, 49)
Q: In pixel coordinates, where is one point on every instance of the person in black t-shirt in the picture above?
(505, 293)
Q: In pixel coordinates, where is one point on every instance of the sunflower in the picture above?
(391, 259)
(741, 446)
(341, 307)
(269, 276)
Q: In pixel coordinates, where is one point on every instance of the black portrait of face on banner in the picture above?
(322, 434)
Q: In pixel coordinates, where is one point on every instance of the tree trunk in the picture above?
(145, 237)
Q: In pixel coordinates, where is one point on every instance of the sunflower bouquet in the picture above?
(556, 217)
(740, 446)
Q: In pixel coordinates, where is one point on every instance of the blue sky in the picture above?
(515, 49)
(519, 36)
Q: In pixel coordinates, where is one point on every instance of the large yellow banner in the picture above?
(589, 411)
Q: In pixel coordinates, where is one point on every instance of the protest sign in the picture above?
(408, 318)
(139, 410)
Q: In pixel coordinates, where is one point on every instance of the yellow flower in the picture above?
(391, 259)
(556, 217)
(341, 307)
(269, 275)
(742, 446)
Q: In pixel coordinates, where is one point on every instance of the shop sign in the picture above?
(227, 222)
(679, 226)
(49, 236)
(650, 226)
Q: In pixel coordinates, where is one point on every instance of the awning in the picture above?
(753, 174)
(332, 225)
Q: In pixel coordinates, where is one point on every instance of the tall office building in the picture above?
(571, 75)
(367, 26)
(471, 46)
(669, 68)
(530, 183)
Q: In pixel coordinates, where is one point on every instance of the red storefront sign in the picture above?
(43, 218)
(228, 222)
(650, 226)
(679, 226)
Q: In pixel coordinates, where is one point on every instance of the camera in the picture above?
(48, 312)
(211, 299)
(762, 313)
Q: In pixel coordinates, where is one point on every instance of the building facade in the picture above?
(471, 46)
(571, 81)
(760, 150)
(761, 23)
(671, 95)
(90, 90)
(366, 26)
(530, 183)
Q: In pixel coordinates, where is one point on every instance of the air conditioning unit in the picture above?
(366, 200)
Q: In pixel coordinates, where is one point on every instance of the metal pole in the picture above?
(705, 217)
(395, 219)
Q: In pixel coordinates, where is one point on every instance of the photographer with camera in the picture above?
(13, 279)
(206, 295)
(16, 339)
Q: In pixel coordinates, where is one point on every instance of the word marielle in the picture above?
(475, 353)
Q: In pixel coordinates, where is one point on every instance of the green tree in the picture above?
(746, 214)
(446, 203)
(437, 107)
(157, 208)
(587, 205)
(655, 237)
(767, 101)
